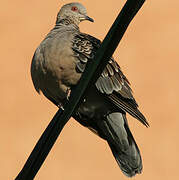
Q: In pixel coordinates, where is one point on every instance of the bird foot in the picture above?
(60, 106)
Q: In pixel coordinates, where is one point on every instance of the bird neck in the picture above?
(66, 22)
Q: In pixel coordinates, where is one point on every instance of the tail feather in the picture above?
(122, 143)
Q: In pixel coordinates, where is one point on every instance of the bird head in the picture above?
(74, 12)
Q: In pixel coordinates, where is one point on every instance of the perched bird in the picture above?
(56, 68)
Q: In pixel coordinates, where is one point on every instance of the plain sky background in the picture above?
(148, 55)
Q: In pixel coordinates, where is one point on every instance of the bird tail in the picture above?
(123, 146)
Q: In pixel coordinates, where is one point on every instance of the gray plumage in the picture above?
(57, 66)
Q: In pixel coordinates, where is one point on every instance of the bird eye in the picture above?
(74, 8)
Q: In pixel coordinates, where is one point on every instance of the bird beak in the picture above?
(89, 19)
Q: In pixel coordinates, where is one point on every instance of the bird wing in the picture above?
(112, 81)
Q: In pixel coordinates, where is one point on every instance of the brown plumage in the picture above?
(57, 66)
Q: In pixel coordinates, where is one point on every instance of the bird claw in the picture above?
(60, 106)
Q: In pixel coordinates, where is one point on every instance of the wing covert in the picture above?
(112, 82)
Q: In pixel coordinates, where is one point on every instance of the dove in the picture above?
(56, 68)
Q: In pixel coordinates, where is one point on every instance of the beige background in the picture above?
(148, 54)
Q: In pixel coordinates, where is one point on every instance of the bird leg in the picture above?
(68, 92)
